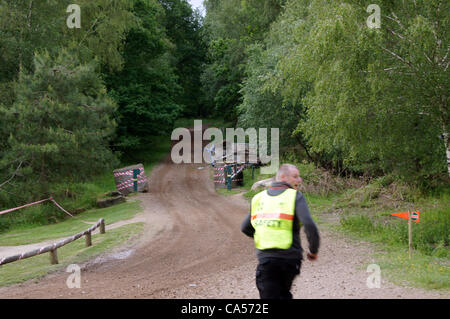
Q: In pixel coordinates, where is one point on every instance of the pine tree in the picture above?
(60, 123)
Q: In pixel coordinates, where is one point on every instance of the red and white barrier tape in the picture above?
(20, 207)
(129, 184)
(139, 178)
(59, 206)
(41, 201)
(128, 173)
(233, 168)
(223, 181)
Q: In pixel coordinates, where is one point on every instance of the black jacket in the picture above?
(302, 215)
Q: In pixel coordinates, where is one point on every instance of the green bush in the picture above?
(71, 196)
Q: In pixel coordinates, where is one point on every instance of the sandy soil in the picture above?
(192, 247)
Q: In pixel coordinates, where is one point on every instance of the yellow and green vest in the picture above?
(272, 217)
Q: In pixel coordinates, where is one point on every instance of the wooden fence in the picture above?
(53, 248)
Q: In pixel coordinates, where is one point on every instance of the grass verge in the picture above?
(75, 252)
(420, 271)
(226, 192)
(28, 234)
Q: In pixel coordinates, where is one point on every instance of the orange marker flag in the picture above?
(415, 216)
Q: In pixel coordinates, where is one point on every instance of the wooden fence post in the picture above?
(88, 239)
(53, 257)
(52, 249)
(102, 227)
(410, 234)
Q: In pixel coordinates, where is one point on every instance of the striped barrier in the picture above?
(130, 182)
(126, 182)
(129, 173)
(52, 248)
(239, 170)
(223, 181)
(220, 175)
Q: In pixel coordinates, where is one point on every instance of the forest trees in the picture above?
(55, 111)
(378, 100)
(60, 123)
(358, 99)
(146, 88)
(184, 30)
(71, 97)
(160, 78)
(230, 28)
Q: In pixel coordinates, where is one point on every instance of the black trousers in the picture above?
(274, 277)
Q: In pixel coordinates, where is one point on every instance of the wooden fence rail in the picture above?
(53, 248)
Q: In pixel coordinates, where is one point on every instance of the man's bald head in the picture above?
(288, 173)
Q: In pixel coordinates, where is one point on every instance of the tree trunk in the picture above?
(446, 136)
(303, 145)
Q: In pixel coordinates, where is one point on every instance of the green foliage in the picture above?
(161, 75)
(355, 99)
(184, 29)
(367, 211)
(222, 76)
(150, 153)
(57, 119)
(76, 197)
(60, 124)
(376, 102)
(231, 26)
(430, 236)
(39, 89)
(30, 26)
(261, 106)
(145, 89)
(104, 25)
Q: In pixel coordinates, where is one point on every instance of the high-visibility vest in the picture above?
(272, 217)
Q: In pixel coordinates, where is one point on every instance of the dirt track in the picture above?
(192, 247)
